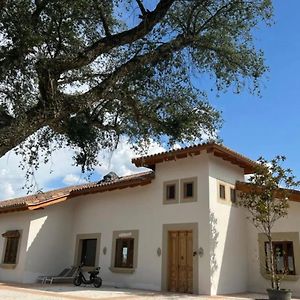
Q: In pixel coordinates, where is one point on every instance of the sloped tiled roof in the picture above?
(36, 198)
(41, 200)
(293, 195)
(216, 149)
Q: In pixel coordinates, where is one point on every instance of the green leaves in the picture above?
(267, 197)
(91, 71)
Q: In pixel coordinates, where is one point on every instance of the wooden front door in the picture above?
(180, 261)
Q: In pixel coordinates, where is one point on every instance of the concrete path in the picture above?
(65, 291)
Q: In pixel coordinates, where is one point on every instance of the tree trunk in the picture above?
(271, 264)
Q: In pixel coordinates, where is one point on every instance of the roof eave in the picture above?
(294, 195)
(140, 181)
(132, 182)
(215, 149)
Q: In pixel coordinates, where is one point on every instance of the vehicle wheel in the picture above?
(77, 281)
(97, 282)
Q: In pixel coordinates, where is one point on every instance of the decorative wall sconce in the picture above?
(201, 251)
(158, 251)
(104, 250)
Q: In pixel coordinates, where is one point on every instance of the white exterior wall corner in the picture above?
(44, 243)
(257, 283)
(228, 233)
(142, 208)
(14, 221)
(49, 241)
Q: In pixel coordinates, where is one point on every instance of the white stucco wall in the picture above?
(14, 221)
(44, 244)
(230, 261)
(257, 283)
(228, 238)
(142, 208)
(49, 241)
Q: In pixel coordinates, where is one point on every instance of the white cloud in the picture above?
(6, 190)
(119, 160)
(72, 179)
(61, 172)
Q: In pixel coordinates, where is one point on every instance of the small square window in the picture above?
(171, 192)
(222, 193)
(188, 190)
(233, 195)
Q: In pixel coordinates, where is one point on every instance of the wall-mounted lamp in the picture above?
(201, 251)
(158, 251)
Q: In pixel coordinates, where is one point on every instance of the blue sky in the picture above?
(270, 125)
(253, 126)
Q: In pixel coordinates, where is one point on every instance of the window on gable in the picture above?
(232, 195)
(222, 193)
(188, 189)
(11, 246)
(124, 253)
(283, 253)
(88, 252)
(170, 192)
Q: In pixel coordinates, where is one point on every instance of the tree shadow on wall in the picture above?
(213, 237)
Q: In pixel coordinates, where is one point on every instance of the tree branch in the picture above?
(75, 103)
(105, 25)
(21, 128)
(15, 54)
(39, 7)
(2, 4)
(5, 119)
(142, 8)
(213, 16)
(161, 52)
(104, 45)
(60, 39)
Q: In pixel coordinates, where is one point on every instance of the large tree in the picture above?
(85, 72)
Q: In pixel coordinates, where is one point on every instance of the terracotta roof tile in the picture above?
(48, 198)
(23, 203)
(293, 195)
(217, 149)
(36, 198)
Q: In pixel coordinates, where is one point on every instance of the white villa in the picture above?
(174, 228)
